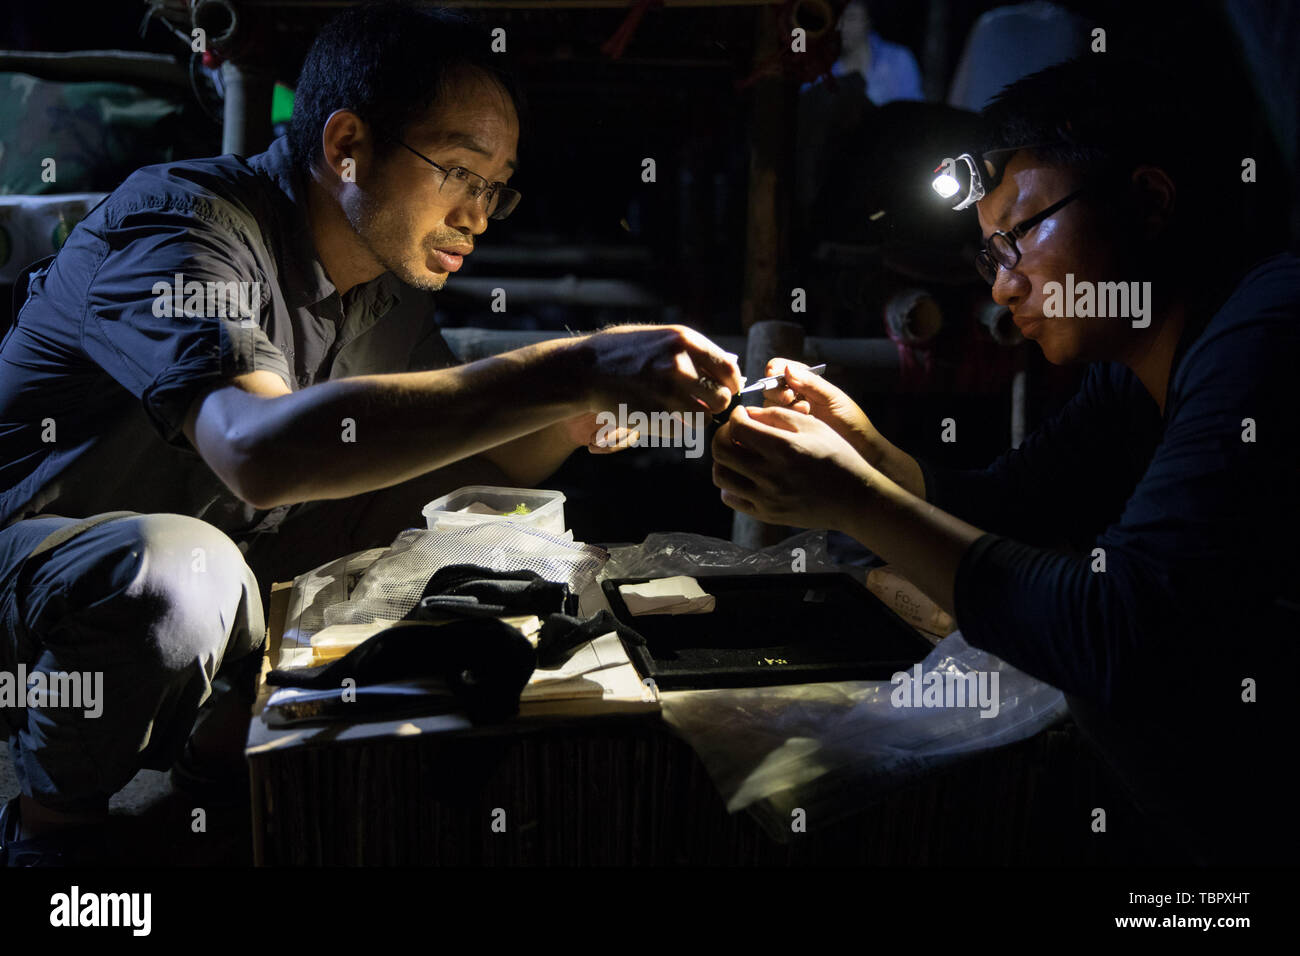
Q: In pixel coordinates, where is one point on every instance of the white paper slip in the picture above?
(604, 651)
(676, 595)
(332, 642)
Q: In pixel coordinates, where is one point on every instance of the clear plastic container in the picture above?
(541, 509)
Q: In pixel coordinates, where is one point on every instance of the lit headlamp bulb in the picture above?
(945, 183)
(948, 184)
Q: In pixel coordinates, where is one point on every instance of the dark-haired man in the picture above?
(1138, 550)
(224, 340)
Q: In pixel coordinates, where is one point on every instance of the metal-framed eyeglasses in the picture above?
(1001, 250)
(497, 199)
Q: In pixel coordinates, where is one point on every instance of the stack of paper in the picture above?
(677, 595)
(578, 676)
(597, 678)
(331, 643)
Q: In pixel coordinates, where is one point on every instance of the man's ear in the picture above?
(1154, 197)
(346, 145)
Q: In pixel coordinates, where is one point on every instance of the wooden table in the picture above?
(624, 790)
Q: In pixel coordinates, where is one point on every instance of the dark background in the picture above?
(676, 248)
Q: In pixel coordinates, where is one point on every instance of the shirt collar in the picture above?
(305, 280)
(376, 298)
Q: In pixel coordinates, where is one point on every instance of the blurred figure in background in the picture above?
(889, 69)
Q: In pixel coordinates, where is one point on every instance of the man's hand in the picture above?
(787, 467)
(813, 395)
(585, 431)
(648, 368)
(653, 368)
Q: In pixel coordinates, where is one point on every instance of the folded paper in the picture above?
(676, 595)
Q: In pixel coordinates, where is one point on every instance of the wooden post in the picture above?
(771, 166)
(767, 340)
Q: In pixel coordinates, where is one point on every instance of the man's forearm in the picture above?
(533, 458)
(903, 470)
(354, 435)
(922, 542)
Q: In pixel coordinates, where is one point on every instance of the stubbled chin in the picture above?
(421, 277)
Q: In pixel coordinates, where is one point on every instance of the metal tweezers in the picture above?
(762, 385)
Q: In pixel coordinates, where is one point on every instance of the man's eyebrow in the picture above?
(999, 221)
(467, 141)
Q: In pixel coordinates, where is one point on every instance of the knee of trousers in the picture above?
(174, 582)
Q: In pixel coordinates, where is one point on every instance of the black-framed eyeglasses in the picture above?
(1001, 249)
(498, 200)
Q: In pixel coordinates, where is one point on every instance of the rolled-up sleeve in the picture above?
(167, 348)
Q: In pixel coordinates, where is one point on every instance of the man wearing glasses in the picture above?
(231, 373)
(1138, 551)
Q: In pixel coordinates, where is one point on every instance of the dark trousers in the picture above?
(140, 618)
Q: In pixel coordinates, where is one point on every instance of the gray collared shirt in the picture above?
(187, 274)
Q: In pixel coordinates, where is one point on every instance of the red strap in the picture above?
(617, 43)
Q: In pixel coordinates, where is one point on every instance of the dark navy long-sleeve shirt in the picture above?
(1195, 516)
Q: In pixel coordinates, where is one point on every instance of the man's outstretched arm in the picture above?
(354, 435)
(787, 467)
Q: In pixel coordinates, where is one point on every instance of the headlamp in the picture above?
(971, 179)
(959, 177)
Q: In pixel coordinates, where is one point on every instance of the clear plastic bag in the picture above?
(384, 584)
(826, 748)
(829, 748)
(391, 586)
(663, 555)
